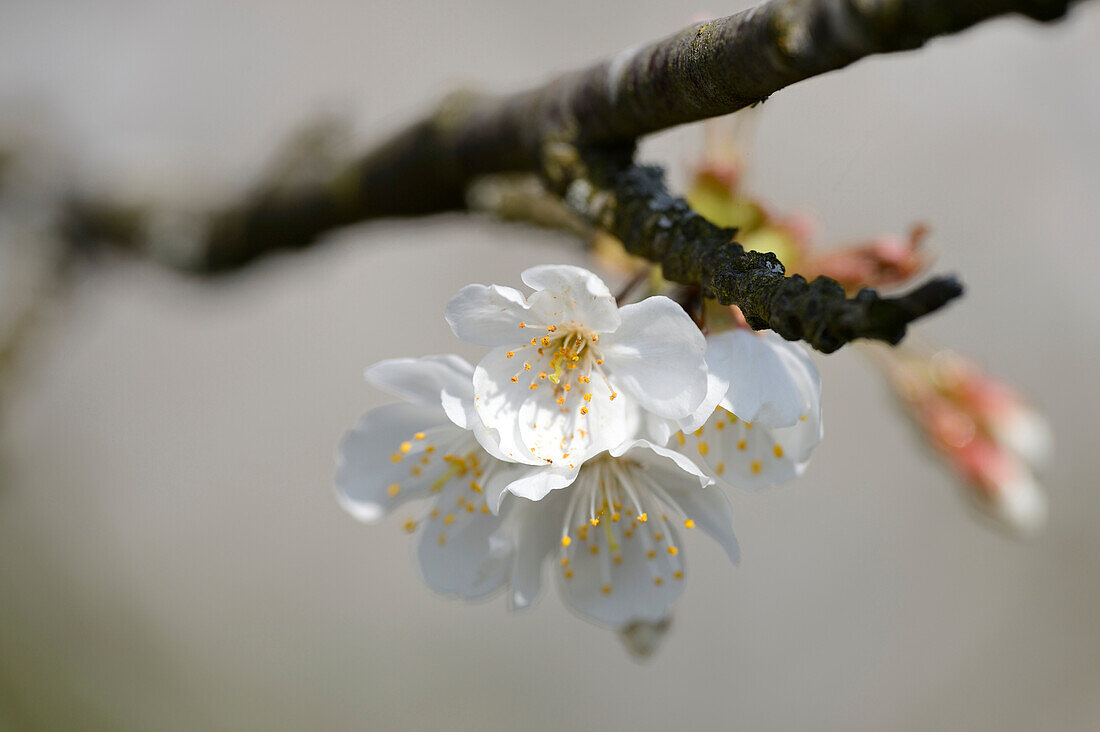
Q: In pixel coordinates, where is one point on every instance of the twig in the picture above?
(709, 69)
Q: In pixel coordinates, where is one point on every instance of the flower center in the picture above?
(615, 502)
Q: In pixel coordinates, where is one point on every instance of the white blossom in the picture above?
(413, 450)
(762, 417)
(570, 372)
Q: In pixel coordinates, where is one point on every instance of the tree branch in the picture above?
(709, 69)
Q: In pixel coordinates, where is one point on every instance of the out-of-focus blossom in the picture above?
(885, 261)
(997, 407)
(973, 420)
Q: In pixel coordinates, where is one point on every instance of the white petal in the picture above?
(532, 531)
(711, 511)
(618, 594)
(751, 456)
(571, 295)
(423, 380)
(771, 380)
(534, 483)
(487, 315)
(532, 426)
(674, 468)
(369, 481)
(454, 548)
(657, 357)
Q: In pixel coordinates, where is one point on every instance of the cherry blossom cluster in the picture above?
(590, 437)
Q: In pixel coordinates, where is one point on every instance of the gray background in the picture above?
(171, 556)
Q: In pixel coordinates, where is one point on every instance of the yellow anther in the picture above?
(394, 489)
(526, 367)
(613, 395)
(594, 521)
(606, 589)
(510, 354)
(409, 525)
(429, 449)
(803, 418)
(777, 451)
(720, 468)
(566, 541)
(704, 448)
(522, 324)
(415, 470)
(595, 549)
(534, 341)
(470, 508)
(643, 517)
(551, 328)
(395, 458)
(561, 400)
(584, 410)
(475, 487)
(515, 379)
(658, 536)
(719, 425)
(485, 508)
(442, 539)
(533, 386)
(628, 533)
(673, 551)
(658, 581)
(425, 460)
(756, 466)
(419, 436)
(568, 387)
(448, 519)
(689, 524)
(741, 445)
(564, 561)
(699, 432)
(615, 516)
(595, 337)
(651, 554)
(618, 559)
(680, 438)
(405, 447)
(434, 513)
(599, 361)
(545, 341)
(678, 574)
(568, 574)
(588, 397)
(748, 425)
(542, 374)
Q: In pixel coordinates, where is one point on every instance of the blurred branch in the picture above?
(709, 69)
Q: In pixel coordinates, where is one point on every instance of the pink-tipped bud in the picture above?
(1001, 488)
(882, 262)
(996, 406)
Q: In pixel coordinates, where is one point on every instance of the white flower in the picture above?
(570, 370)
(613, 525)
(412, 450)
(615, 533)
(768, 415)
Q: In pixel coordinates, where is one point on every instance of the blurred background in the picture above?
(171, 555)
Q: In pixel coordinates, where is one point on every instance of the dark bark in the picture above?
(710, 69)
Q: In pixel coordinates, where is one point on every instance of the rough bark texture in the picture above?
(709, 69)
